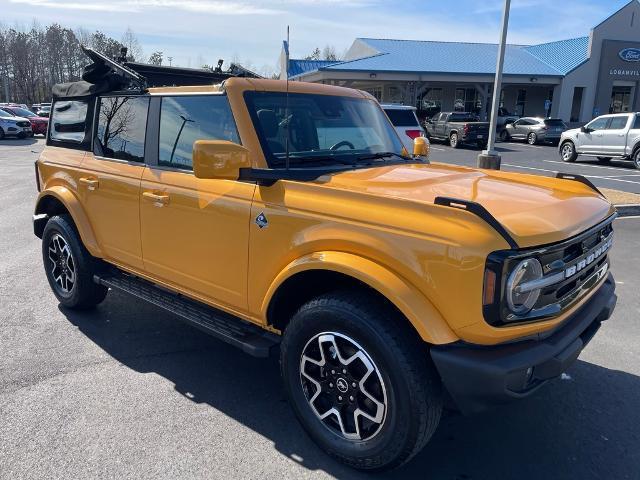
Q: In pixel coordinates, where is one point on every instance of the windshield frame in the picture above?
(345, 159)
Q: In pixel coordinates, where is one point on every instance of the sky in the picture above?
(194, 32)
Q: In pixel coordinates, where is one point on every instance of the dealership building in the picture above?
(574, 79)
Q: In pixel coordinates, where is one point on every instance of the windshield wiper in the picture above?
(321, 158)
(381, 155)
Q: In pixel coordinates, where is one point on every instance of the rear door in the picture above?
(614, 137)
(109, 183)
(195, 232)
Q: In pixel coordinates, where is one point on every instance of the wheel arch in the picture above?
(321, 272)
(60, 200)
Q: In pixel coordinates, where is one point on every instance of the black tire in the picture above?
(636, 158)
(504, 136)
(568, 152)
(604, 159)
(454, 140)
(1, 134)
(532, 138)
(411, 385)
(82, 292)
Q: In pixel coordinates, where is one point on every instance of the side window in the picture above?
(68, 121)
(618, 123)
(185, 119)
(598, 123)
(636, 125)
(122, 122)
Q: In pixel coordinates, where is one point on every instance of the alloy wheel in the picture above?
(343, 386)
(532, 138)
(62, 266)
(567, 152)
(453, 140)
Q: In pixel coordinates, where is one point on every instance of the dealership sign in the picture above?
(630, 54)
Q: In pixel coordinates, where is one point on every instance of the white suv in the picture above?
(605, 137)
(405, 121)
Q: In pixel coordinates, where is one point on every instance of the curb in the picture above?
(628, 210)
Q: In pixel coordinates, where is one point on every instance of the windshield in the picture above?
(21, 112)
(321, 127)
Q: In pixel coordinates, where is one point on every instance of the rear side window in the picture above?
(68, 121)
(122, 122)
(636, 125)
(402, 118)
(554, 122)
(185, 119)
(462, 117)
(618, 123)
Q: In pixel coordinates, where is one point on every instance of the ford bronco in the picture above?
(289, 218)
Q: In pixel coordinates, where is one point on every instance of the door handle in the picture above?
(91, 183)
(158, 200)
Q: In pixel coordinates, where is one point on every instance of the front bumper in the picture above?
(478, 377)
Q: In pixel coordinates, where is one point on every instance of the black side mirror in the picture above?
(584, 129)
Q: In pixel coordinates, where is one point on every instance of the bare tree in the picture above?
(134, 49)
(155, 58)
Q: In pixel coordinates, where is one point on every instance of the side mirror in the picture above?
(219, 159)
(421, 147)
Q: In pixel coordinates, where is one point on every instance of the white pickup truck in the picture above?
(605, 137)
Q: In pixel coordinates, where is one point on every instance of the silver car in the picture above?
(534, 130)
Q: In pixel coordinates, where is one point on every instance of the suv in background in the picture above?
(38, 124)
(405, 121)
(287, 217)
(534, 130)
(606, 137)
(14, 126)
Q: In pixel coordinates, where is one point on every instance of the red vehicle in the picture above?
(38, 124)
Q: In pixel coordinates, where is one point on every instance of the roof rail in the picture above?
(578, 178)
(480, 211)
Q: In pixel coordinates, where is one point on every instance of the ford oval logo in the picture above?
(630, 54)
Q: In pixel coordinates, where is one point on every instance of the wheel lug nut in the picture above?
(344, 370)
(339, 398)
(354, 384)
(351, 399)
(330, 385)
(333, 372)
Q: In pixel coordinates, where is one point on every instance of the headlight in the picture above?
(521, 302)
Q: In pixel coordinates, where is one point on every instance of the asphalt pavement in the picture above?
(128, 391)
(544, 159)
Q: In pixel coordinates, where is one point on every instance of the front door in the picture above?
(591, 141)
(614, 139)
(109, 182)
(195, 232)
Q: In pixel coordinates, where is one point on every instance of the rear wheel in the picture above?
(69, 266)
(532, 139)
(504, 136)
(453, 140)
(359, 380)
(568, 152)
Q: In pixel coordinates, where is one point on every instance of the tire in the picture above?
(532, 139)
(636, 158)
(504, 136)
(604, 159)
(1, 134)
(568, 152)
(453, 140)
(71, 278)
(400, 378)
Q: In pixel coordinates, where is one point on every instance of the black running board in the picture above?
(248, 337)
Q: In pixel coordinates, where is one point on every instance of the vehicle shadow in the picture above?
(582, 427)
(19, 142)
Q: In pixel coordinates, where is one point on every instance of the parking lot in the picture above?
(544, 160)
(127, 391)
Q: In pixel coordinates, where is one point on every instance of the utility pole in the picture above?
(170, 60)
(490, 158)
(6, 86)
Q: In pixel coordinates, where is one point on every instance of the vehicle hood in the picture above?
(535, 210)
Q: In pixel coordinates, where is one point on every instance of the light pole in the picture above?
(489, 158)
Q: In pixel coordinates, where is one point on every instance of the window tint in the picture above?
(68, 121)
(554, 122)
(462, 117)
(402, 118)
(636, 125)
(122, 122)
(598, 123)
(618, 123)
(183, 120)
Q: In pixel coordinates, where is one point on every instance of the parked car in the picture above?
(534, 130)
(606, 137)
(458, 128)
(44, 111)
(38, 123)
(387, 283)
(12, 126)
(505, 117)
(405, 121)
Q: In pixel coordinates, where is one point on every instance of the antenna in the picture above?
(286, 106)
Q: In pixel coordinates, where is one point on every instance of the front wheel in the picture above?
(453, 140)
(568, 152)
(69, 266)
(359, 380)
(532, 139)
(636, 158)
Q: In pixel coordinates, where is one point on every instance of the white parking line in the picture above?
(588, 176)
(617, 169)
(438, 149)
(525, 145)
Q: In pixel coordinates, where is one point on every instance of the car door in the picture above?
(195, 232)
(441, 125)
(109, 183)
(590, 140)
(513, 128)
(614, 137)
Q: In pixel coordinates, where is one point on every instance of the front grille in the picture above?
(23, 123)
